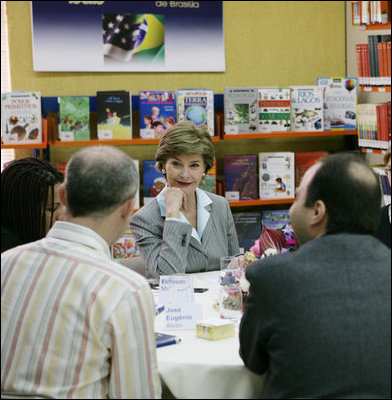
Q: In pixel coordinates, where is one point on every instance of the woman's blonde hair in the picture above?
(185, 138)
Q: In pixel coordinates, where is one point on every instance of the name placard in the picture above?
(176, 289)
(182, 316)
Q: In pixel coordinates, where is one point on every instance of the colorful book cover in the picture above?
(274, 110)
(307, 109)
(241, 110)
(340, 100)
(125, 247)
(153, 181)
(304, 160)
(240, 175)
(74, 118)
(21, 117)
(196, 105)
(276, 175)
(114, 115)
(208, 182)
(275, 219)
(248, 227)
(157, 110)
(137, 196)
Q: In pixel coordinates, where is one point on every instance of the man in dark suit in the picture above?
(318, 320)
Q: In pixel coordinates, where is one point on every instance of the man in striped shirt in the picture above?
(75, 324)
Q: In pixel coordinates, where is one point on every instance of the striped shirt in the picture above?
(75, 324)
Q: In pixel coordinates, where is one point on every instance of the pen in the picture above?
(168, 342)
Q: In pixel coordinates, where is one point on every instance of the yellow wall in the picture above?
(268, 43)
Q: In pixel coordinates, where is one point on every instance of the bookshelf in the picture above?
(143, 149)
(368, 94)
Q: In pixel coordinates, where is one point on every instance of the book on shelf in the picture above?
(248, 227)
(21, 117)
(137, 195)
(125, 247)
(114, 114)
(371, 12)
(374, 125)
(277, 175)
(304, 160)
(196, 105)
(240, 177)
(153, 181)
(157, 110)
(275, 219)
(74, 118)
(240, 110)
(384, 184)
(208, 182)
(307, 109)
(340, 99)
(274, 110)
(376, 64)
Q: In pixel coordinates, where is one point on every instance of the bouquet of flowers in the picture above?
(274, 241)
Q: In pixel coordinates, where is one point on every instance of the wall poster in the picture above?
(144, 36)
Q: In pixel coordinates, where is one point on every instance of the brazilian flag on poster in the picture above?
(134, 38)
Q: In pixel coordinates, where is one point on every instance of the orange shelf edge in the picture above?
(288, 134)
(373, 27)
(379, 89)
(110, 142)
(259, 202)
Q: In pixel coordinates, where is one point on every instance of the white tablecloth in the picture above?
(205, 369)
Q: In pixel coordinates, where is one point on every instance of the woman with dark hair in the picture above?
(185, 229)
(29, 201)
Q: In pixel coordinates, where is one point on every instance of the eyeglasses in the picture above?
(53, 209)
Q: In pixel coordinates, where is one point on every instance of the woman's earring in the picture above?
(163, 171)
(204, 174)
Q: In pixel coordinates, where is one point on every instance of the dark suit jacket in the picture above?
(319, 320)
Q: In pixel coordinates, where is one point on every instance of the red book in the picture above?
(366, 63)
(304, 160)
(389, 120)
(389, 61)
(359, 52)
(381, 62)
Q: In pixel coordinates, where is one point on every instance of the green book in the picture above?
(74, 118)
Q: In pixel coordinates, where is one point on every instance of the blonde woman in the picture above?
(185, 229)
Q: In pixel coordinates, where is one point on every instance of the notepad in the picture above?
(162, 339)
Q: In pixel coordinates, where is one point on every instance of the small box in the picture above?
(215, 329)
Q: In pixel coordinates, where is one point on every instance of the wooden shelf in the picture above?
(259, 202)
(42, 145)
(373, 27)
(288, 134)
(373, 151)
(110, 142)
(379, 89)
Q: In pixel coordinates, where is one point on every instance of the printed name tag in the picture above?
(182, 316)
(176, 289)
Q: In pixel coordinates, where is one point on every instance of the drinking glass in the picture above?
(229, 270)
(230, 302)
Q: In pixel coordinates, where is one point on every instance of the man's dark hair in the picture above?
(26, 187)
(351, 192)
